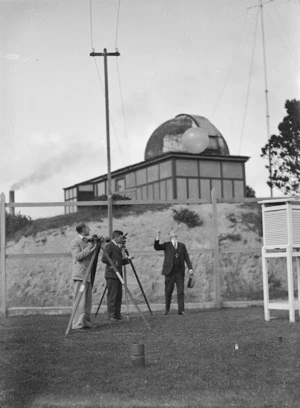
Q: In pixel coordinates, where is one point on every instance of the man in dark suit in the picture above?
(113, 283)
(174, 268)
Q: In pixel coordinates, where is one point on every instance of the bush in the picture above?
(115, 197)
(188, 217)
(229, 237)
(14, 223)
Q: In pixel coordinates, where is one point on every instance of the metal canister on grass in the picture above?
(138, 354)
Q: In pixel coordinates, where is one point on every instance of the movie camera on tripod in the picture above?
(97, 239)
(123, 242)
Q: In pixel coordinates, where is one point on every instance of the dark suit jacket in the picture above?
(115, 254)
(169, 250)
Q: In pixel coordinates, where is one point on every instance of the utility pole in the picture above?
(106, 54)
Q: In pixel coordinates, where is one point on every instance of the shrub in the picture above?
(188, 217)
(115, 197)
(230, 237)
(14, 223)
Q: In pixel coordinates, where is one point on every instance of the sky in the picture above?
(176, 56)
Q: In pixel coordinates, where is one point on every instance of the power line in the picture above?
(110, 117)
(249, 81)
(117, 24)
(290, 51)
(91, 25)
(99, 75)
(123, 109)
(232, 64)
(119, 79)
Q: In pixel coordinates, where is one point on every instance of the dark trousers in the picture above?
(170, 280)
(114, 297)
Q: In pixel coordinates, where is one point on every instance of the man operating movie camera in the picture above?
(113, 250)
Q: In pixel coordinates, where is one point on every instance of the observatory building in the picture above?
(173, 167)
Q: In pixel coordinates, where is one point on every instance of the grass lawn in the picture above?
(191, 361)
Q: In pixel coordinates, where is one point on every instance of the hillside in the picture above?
(46, 281)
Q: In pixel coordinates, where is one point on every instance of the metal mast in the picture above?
(266, 89)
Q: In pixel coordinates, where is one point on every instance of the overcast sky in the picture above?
(177, 56)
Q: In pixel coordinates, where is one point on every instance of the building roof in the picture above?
(168, 136)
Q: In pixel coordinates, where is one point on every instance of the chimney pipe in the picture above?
(11, 201)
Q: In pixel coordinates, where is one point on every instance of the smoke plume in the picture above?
(80, 154)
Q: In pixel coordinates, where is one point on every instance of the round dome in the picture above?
(168, 137)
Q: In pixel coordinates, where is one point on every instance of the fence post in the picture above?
(3, 255)
(217, 276)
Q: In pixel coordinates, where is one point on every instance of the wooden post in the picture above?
(290, 282)
(3, 255)
(217, 277)
(265, 284)
(298, 282)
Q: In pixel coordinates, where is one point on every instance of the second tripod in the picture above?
(126, 253)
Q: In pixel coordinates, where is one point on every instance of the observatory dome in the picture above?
(168, 137)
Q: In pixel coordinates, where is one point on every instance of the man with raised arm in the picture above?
(176, 256)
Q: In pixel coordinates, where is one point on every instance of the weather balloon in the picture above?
(195, 140)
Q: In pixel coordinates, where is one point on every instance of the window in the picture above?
(86, 187)
(163, 190)
(138, 193)
(232, 170)
(130, 180)
(152, 173)
(216, 184)
(120, 184)
(169, 189)
(165, 169)
(100, 188)
(186, 168)
(193, 188)
(156, 191)
(144, 193)
(209, 168)
(150, 192)
(205, 189)
(141, 177)
(181, 188)
(228, 189)
(238, 189)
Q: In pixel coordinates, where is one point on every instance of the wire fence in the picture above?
(223, 239)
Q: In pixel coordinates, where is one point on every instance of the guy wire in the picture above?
(91, 25)
(249, 80)
(232, 64)
(117, 24)
(119, 80)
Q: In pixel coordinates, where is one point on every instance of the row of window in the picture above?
(191, 188)
(195, 178)
(186, 188)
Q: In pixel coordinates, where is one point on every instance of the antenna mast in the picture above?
(266, 89)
